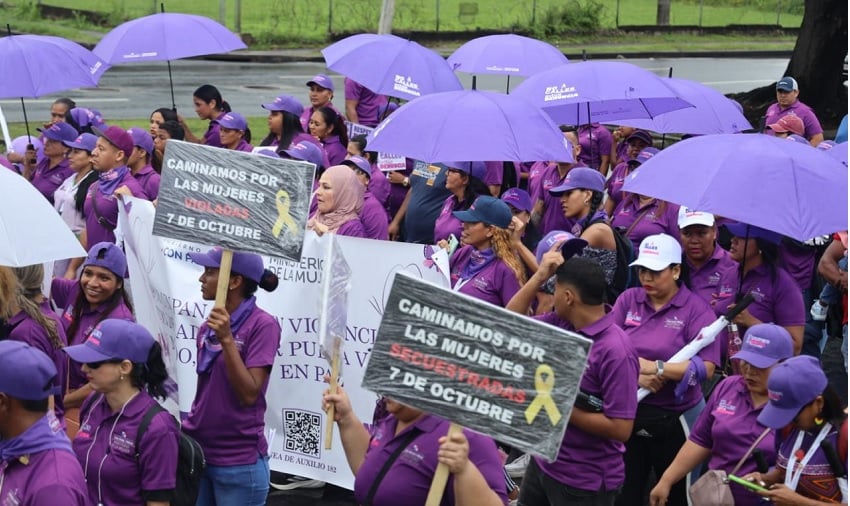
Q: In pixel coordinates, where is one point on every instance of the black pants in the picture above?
(656, 439)
(538, 489)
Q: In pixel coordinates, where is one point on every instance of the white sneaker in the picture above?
(818, 311)
(516, 469)
(295, 482)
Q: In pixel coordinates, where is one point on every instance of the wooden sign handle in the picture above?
(223, 277)
(441, 475)
(334, 388)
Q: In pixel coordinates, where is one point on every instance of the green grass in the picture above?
(292, 22)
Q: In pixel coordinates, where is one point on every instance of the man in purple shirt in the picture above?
(139, 162)
(787, 103)
(362, 104)
(109, 158)
(52, 170)
(37, 466)
(705, 259)
(589, 469)
(548, 214)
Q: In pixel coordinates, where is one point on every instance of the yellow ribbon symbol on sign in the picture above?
(544, 382)
(283, 218)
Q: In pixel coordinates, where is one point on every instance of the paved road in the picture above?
(133, 91)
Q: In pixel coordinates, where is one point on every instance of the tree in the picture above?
(816, 63)
(662, 14)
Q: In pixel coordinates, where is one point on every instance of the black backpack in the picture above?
(623, 275)
(190, 461)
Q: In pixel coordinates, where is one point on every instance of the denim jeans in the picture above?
(246, 485)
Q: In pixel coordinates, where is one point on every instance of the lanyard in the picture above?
(792, 478)
(459, 284)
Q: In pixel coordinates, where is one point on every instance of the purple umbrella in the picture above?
(166, 36)
(599, 91)
(508, 54)
(712, 113)
(786, 187)
(470, 126)
(390, 65)
(35, 65)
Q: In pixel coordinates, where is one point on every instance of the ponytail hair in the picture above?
(208, 93)
(334, 119)
(268, 282)
(151, 375)
(501, 244)
(8, 289)
(29, 288)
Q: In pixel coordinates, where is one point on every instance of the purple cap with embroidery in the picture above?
(233, 121)
(248, 265)
(358, 162)
(791, 386)
(306, 151)
(764, 345)
(518, 199)
(114, 339)
(323, 81)
(583, 178)
(60, 131)
(86, 142)
(142, 139)
(285, 103)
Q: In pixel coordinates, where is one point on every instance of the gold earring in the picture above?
(818, 420)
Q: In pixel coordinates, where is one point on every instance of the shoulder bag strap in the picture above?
(143, 425)
(408, 438)
(750, 451)
(637, 220)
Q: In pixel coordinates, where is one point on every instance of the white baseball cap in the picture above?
(657, 252)
(688, 217)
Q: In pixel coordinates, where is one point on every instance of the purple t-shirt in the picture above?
(107, 209)
(595, 141)
(777, 299)
(704, 281)
(373, 218)
(368, 102)
(553, 214)
(658, 335)
(589, 462)
(232, 434)
(47, 179)
(817, 480)
(447, 224)
(727, 426)
(614, 184)
(149, 180)
(211, 136)
(27, 330)
(409, 478)
(244, 146)
(398, 192)
(352, 228)
(799, 109)
(535, 172)
(379, 186)
(308, 112)
(654, 219)
(64, 293)
(496, 283)
(49, 477)
(335, 150)
(106, 448)
(799, 263)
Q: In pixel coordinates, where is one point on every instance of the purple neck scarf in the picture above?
(478, 260)
(210, 347)
(37, 438)
(108, 181)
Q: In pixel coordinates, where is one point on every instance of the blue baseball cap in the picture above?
(114, 339)
(518, 199)
(86, 142)
(787, 83)
(486, 209)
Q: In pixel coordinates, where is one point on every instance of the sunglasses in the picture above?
(96, 365)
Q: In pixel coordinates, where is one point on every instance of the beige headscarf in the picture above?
(348, 199)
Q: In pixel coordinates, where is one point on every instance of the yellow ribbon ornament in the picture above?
(282, 201)
(544, 382)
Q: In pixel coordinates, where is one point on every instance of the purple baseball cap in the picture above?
(306, 151)
(752, 232)
(114, 339)
(109, 256)
(87, 117)
(118, 137)
(518, 199)
(286, 103)
(27, 373)
(86, 142)
(142, 139)
(323, 81)
(583, 178)
(358, 162)
(791, 386)
(643, 156)
(248, 265)
(571, 247)
(233, 121)
(60, 131)
(477, 170)
(764, 345)
(640, 135)
(486, 209)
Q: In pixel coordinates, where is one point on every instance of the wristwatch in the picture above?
(659, 366)
(405, 182)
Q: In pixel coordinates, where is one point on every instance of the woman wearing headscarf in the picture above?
(729, 425)
(661, 317)
(486, 267)
(237, 346)
(340, 200)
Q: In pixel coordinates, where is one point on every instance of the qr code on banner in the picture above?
(302, 432)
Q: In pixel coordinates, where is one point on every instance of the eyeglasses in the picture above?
(96, 365)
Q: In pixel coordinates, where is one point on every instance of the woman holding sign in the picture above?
(237, 346)
(396, 463)
(661, 317)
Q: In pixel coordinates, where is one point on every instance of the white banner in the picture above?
(168, 301)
